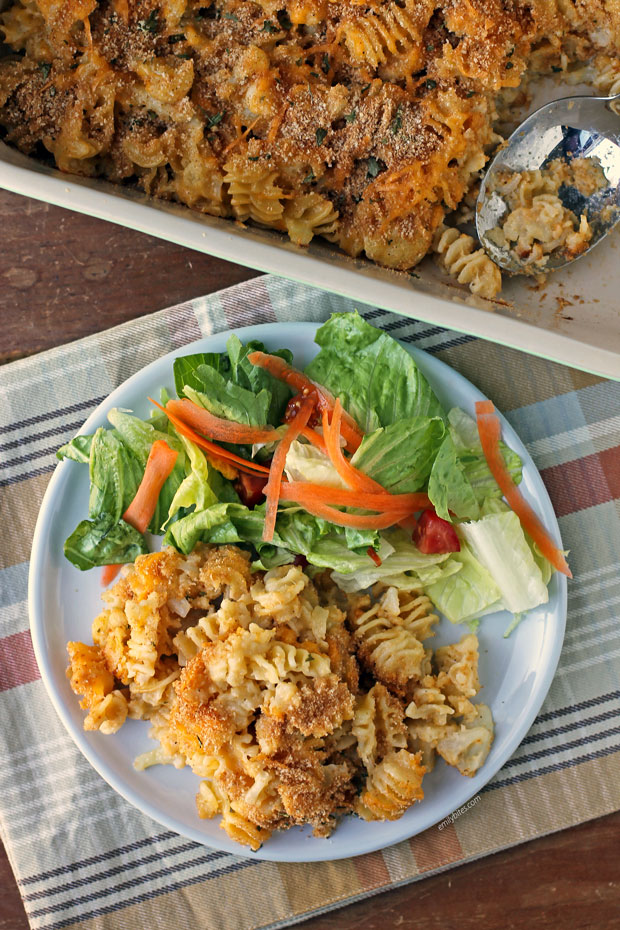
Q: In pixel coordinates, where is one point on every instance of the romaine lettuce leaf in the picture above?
(402, 564)
(138, 436)
(400, 456)
(448, 487)
(296, 530)
(499, 544)
(245, 374)
(77, 449)
(234, 369)
(464, 433)
(195, 490)
(375, 378)
(304, 462)
(103, 541)
(229, 401)
(468, 593)
(461, 481)
(185, 367)
(115, 475)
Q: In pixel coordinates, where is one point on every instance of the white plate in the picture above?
(515, 673)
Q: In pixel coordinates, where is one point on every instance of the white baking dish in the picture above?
(575, 318)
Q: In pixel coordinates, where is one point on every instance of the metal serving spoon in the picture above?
(573, 127)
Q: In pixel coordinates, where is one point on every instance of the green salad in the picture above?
(401, 492)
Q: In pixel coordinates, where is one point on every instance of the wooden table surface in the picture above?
(65, 276)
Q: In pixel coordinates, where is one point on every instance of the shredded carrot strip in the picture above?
(485, 406)
(315, 438)
(246, 132)
(216, 427)
(158, 466)
(374, 555)
(379, 521)
(108, 574)
(211, 447)
(275, 124)
(273, 486)
(489, 430)
(300, 382)
(303, 491)
(353, 476)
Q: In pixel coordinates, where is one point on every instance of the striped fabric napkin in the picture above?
(85, 858)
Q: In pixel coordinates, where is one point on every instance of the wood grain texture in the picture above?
(64, 276)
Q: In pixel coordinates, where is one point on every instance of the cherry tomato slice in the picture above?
(250, 488)
(433, 535)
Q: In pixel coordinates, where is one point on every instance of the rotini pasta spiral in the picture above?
(309, 215)
(254, 193)
(458, 255)
(386, 647)
(392, 787)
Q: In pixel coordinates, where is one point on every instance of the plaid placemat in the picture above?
(84, 857)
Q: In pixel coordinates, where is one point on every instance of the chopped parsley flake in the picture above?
(320, 136)
(215, 120)
(151, 23)
(397, 122)
(231, 16)
(179, 37)
(375, 166)
(268, 26)
(325, 64)
(45, 68)
(351, 117)
(431, 84)
(309, 178)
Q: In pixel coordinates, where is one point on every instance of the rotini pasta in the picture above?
(364, 124)
(252, 681)
(538, 224)
(458, 254)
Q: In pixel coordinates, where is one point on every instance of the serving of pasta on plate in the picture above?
(294, 703)
(367, 124)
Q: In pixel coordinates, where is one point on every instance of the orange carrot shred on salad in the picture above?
(108, 574)
(301, 491)
(376, 521)
(315, 438)
(351, 475)
(280, 369)
(216, 427)
(374, 555)
(273, 486)
(211, 447)
(489, 430)
(158, 466)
